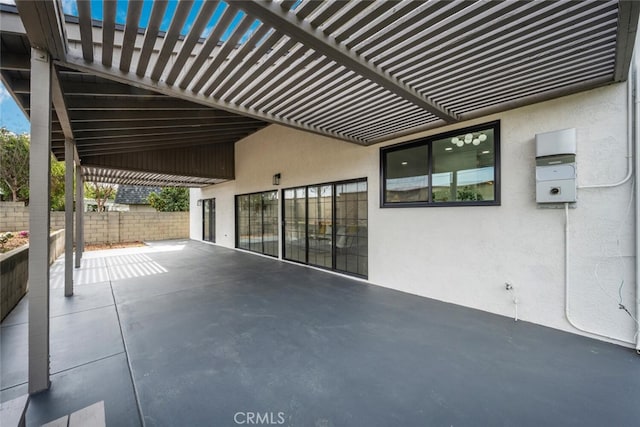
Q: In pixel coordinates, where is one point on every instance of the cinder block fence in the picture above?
(106, 227)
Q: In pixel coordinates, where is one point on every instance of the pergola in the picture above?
(136, 105)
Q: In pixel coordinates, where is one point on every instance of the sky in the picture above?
(12, 117)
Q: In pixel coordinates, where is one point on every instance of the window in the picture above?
(326, 226)
(451, 169)
(257, 222)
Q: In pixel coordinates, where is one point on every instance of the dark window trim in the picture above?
(333, 185)
(235, 207)
(429, 142)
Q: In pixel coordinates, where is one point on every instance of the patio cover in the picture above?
(159, 107)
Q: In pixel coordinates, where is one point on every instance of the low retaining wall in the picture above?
(106, 227)
(14, 272)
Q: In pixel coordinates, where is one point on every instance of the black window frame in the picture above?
(428, 142)
(237, 223)
(333, 185)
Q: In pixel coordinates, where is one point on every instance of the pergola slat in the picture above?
(241, 75)
(171, 38)
(86, 30)
(151, 35)
(212, 41)
(108, 31)
(230, 70)
(223, 54)
(134, 11)
(204, 15)
(242, 91)
(274, 16)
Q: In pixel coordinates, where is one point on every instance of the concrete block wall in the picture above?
(107, 227)
(14, 216)
(14, 271)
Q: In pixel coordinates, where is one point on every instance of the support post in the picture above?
(68, 217)
(39, 180)
(79, 215)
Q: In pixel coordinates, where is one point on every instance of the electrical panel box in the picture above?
(556, 167)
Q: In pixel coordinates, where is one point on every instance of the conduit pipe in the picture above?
(567, 284)
(636, 122)
(633, 130)
(631, 120)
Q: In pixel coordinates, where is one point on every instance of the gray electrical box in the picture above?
(556, 166)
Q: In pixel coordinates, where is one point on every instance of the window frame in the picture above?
(237, 223)
(428, 142)
(333, 185)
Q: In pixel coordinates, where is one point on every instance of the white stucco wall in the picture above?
(464, 255)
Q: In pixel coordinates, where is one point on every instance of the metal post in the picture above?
(79, 215)
(39, 179)
(68, 218)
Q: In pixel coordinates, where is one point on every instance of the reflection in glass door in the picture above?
(320, 223)
(326, 226)
(351, 228)
(295, 224)
(209, 220)
(257, 222)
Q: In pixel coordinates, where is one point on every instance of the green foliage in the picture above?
(57, 185)
(467, 193)
(4, 238)
(14, 170)
(14, 165)
(170, 199)
(100, 193)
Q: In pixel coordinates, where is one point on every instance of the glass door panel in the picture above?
(320, 225)
(242, 222)
(270, 223)
(351, 228)
(209, 220)
(295, 224)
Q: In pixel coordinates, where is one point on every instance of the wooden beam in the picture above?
(168, 115)
(132, 104)
(180, 132)
(60, 105)
(80, 127)
(44, 23)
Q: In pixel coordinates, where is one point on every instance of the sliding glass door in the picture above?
(257, 222)
(326, 226)
(320, 225)
(209, 220)
(295, 224)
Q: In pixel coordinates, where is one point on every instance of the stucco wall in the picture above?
(464, 255)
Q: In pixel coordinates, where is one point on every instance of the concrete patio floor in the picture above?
(183, 333)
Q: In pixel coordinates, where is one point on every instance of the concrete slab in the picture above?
(263, 336)
(105, 380)
(76, 338)
(219, 337)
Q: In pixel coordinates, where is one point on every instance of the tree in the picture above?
(14, 164)
(170, 199)
(100, 193)
(57, 188)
